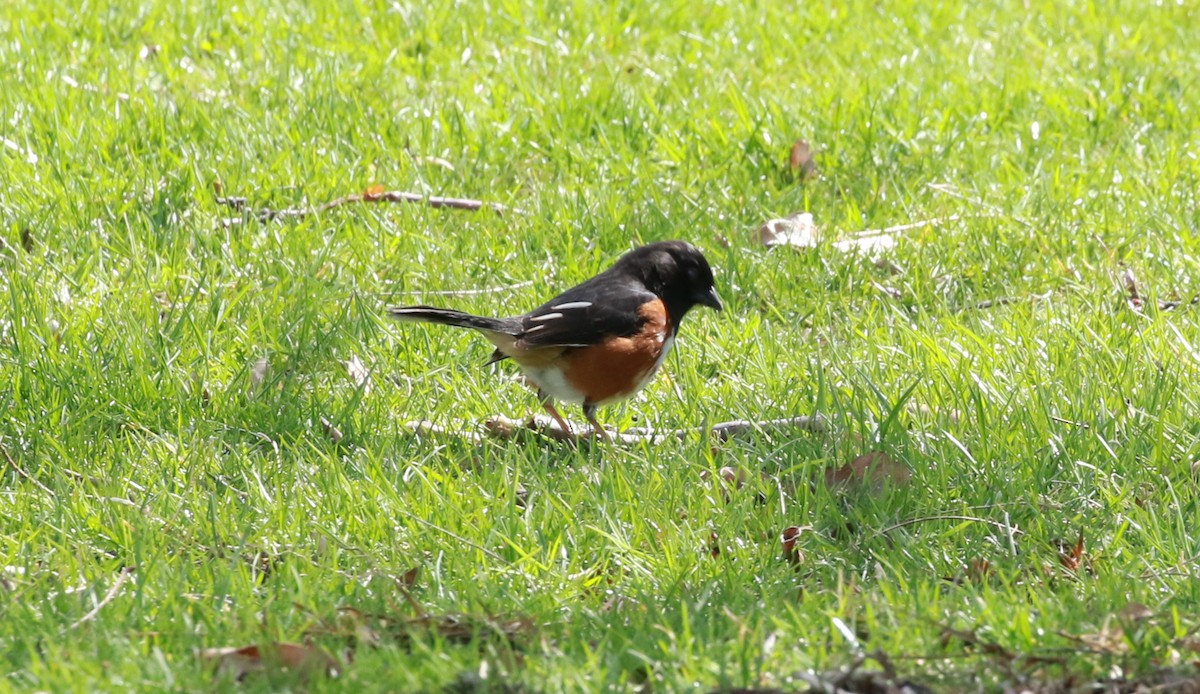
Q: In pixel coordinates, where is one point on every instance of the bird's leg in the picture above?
(589, 411)
(548, 404)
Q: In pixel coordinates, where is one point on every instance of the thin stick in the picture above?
(267, 214)
(1168, 305)
(108, 597)
(17, 469)
(506, 428)
(399, 196)
(1060, 420)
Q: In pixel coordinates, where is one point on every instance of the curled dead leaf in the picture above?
(409, 579)
(791, 552)
(874, 470)
(1131, 288)
(237, 662)
(734, 477)
(803, 161)
(1135, 612)
(1071, 556)
(976, 571)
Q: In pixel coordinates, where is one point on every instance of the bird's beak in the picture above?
(710, 299)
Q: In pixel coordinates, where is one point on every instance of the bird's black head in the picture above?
(677, 272)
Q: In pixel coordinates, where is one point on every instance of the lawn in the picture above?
(208, 436)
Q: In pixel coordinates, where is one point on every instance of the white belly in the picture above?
(551, 381)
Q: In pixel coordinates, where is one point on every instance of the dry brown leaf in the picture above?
(976, 571)
(1135, 612)
(237, 662)
(1071, 556)
(802, 161)
(734, 477)
(791, 552)
(1131, 287)
(796, 231)
(875, 470)
(27, 241)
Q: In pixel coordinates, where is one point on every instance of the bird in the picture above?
(600, 341)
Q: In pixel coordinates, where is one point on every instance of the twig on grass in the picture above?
(108, 597)
(370, 195)
(398, 196)
(1176, 303)
(426, 427)
(505, 428)
(1060, 420)
(21, 472)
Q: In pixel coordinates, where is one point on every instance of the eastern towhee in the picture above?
(600, 341)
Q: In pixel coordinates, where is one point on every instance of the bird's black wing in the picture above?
(603, 307)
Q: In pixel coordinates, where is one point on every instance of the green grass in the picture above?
(130, 326)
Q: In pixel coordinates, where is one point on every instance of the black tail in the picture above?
(445, 316)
